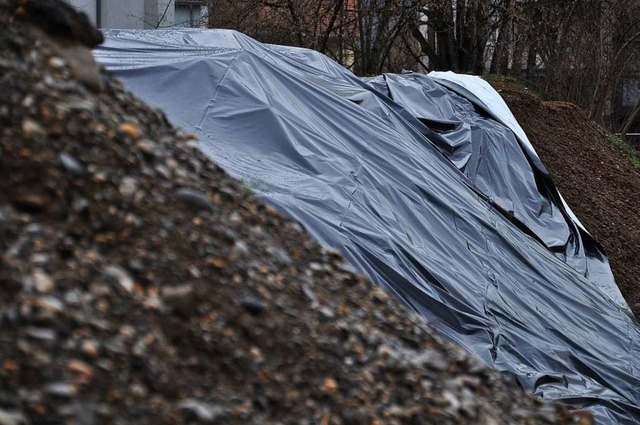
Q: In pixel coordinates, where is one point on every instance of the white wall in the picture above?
(159, 13)
(129, 14)
(122, 14)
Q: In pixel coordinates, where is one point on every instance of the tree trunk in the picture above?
(629, 122)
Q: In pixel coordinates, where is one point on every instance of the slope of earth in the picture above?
(140, 284)
(596, 177)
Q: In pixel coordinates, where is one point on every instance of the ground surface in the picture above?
(596, 177)
(140, 284)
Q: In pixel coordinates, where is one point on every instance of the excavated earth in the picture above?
(139, 284)
(595, 176)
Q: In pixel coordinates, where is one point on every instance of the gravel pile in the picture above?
(140, 284)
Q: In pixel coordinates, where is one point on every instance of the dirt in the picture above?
(596, 177)
(140, 284)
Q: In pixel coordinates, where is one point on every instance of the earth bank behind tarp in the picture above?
(433, 199)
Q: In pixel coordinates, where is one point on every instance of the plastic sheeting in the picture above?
(422, 188)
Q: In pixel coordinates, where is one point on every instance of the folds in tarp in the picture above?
(423, 185)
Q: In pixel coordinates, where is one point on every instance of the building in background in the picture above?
(143, 14)
(190, 13)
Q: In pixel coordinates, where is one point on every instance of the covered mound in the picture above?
(596, 177)
(420, 188)
(140, 284)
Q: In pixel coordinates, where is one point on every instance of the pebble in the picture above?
(240, 249)
(356, 416)
(181, 298)
(80, 367)
(56, 62)
(279, 254)
(121, 276)
(30, 202)
(42, 334)
(130, 130)
(431, 359)
(147, 146)
(252, 305)
(71, 164)
(50, 304)
(32, 129)
(42, 281)
(128, 187)
(61, 390)
(12, 418)
(194, 198)
(90, 348)
(202, 412)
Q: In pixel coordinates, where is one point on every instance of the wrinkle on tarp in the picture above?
(420, 187)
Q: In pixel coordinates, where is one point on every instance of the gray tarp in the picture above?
(420, 188)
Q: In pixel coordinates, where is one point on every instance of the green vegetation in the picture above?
(511, 83)
(630, 151)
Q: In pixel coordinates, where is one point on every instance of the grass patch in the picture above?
(630, 151)
(511, 83)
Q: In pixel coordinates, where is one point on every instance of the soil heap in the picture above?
(595, 176)
(140, 284)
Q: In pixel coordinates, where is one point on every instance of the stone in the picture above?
(42, 334)
(252, 305)
(194, 198)
(12, 418)
(71, 165)
(128, 187)
(90, 348)
(240, 249)
(121, 276)
(42, 282)
(32, 129)
(202, 412)
(181, 298)
(61, 390)
(431, 359)
(279, 254)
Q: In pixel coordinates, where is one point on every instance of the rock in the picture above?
(49, 304)
(61, 390)
(30, 202)
(42, 282)
(202, 412)
(356, 416)
(90, 348)
(181, 298)
(42, 334)
(431, 359)
(138, 390)
(329, 385)
(131, 130)
(194, 198)
(80, 367)
(121, 276)
(71, 164)
(128, 187)
(56, 63)
(12, 418)
(147, 146)
(279, 254)
(240, 249)
(454, 402)
(252, 305)
(32, 129)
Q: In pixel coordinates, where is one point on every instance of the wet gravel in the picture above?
(140, 284)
